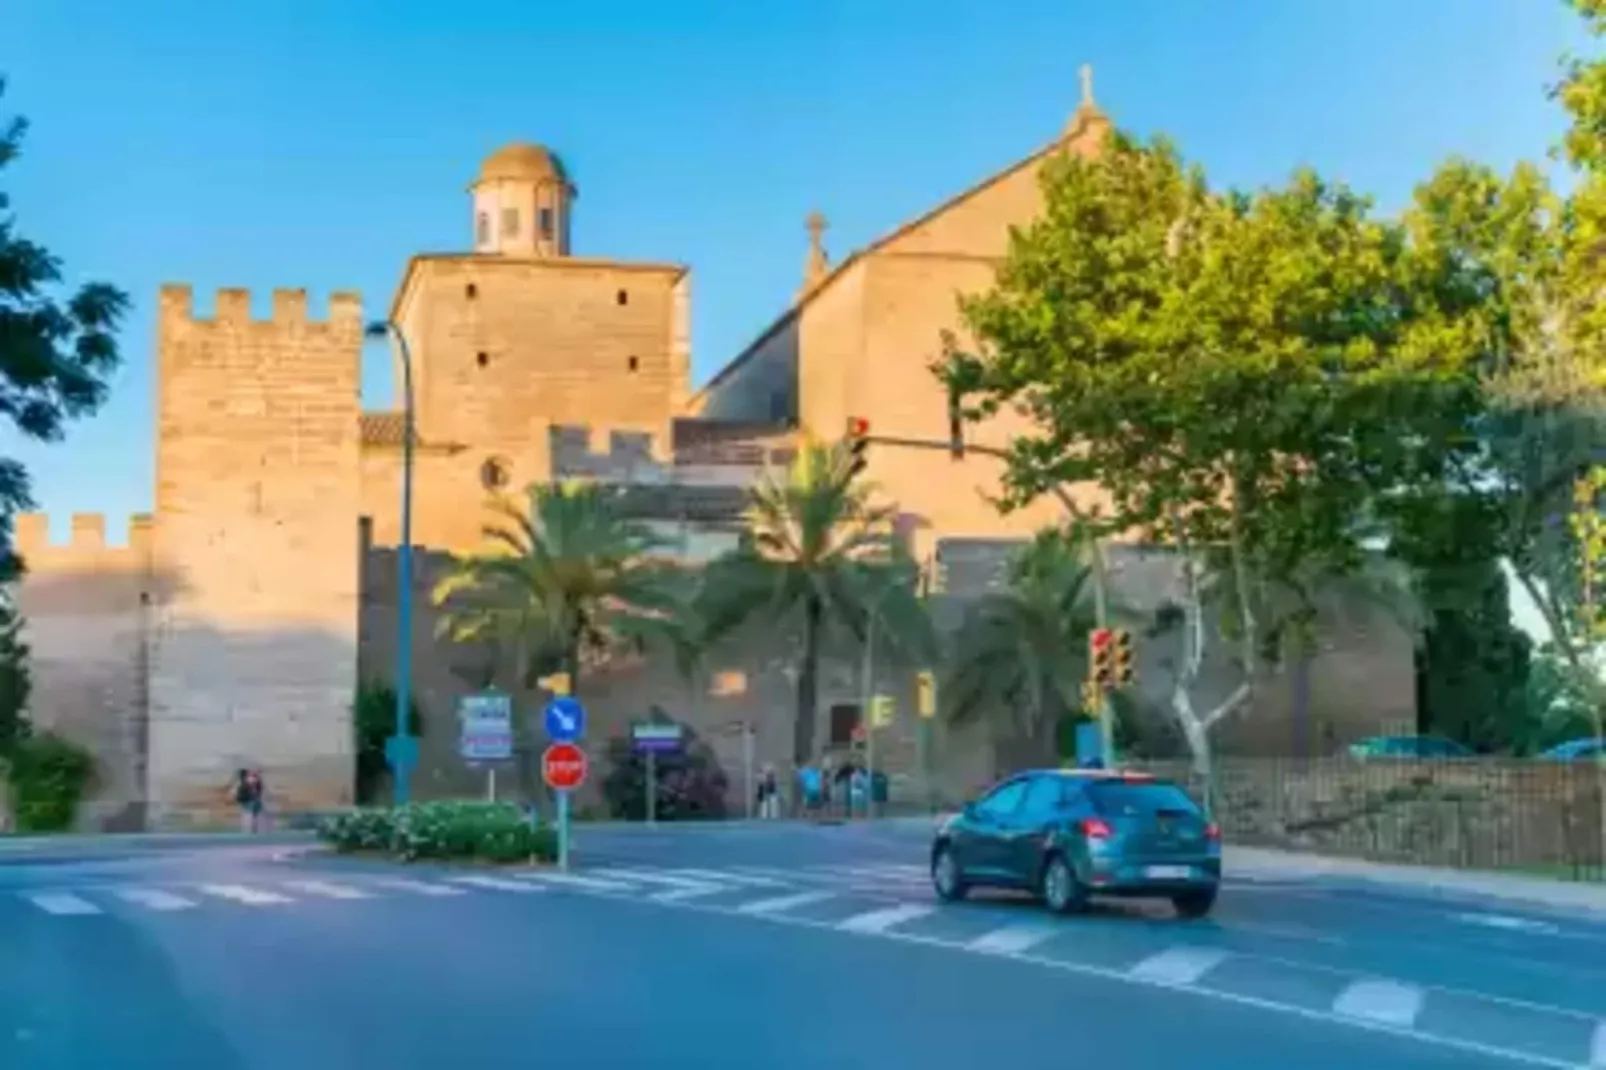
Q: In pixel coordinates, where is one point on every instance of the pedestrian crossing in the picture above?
(771, 889)
(893, 901)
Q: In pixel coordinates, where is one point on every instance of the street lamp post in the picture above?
(401, 748)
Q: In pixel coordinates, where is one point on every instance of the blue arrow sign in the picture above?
(565, 720)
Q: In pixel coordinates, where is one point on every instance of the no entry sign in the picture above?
(563, 767)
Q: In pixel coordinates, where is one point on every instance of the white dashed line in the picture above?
(879, 921)
(1013, 939)
(681, 895)
(154, 899)
(402, 884)
(1510, 923)
(784, 903)
(1178, 965)
(1385, 1002)
(326, 890)
(574, 880)
(500, 884)
(239, 893)
(63, 903)
(1597, 1047)
(730, 876)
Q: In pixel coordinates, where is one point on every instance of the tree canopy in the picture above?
(58, 347)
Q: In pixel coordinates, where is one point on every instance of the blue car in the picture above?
(1409, 747)
(1577, 750)
(1070, 834)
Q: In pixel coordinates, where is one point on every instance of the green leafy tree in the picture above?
(1019, 656)
(563, 572)
(1237, 372)
(818, 552)
(57, 348)
(1559, 709)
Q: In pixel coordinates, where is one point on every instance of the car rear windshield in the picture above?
(1117, 798)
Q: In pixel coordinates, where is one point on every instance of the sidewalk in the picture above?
(1259, 863)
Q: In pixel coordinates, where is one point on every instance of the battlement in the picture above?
(87, 537)
(232, 307)
(605, 453)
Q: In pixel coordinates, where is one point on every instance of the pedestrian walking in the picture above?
(769, 793)
(248, 796)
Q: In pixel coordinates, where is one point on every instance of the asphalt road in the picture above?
(764, 948)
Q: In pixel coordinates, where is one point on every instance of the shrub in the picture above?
(49, 776)
(442, 831)
(691, 784)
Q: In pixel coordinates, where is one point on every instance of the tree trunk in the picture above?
(807, 685)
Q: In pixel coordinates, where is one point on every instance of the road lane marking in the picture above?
(732, 876)
(1510, 923)
(1384, 1002)
(879, 921)
(64, 903)
(500, 884)
(1178, 965)
(1444, 1042)
(326, 890)
(239, 893)
(1597, 1046)
(1013, 939)
(784, 902)
(402, 884)
(574, 880)
(681, 895)
(646, 876)
(154, 899)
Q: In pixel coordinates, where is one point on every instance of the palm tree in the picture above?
(562, 576)
(816, 548)
(1020, 654)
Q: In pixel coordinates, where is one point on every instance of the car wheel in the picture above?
(1194, 904)
(946, 876)
(1061, 891)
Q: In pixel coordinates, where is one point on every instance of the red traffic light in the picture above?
(1101, 638)
(858, 427)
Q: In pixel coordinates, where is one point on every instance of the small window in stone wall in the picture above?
(482, 358)
(471, 291)
(494, 474)
(622, 297)
(510, 222)
(635, 363)
(546, 223)
(482, 228)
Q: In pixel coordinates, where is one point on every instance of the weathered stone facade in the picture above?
(234, 626)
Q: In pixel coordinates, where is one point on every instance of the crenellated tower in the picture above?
(253, 649)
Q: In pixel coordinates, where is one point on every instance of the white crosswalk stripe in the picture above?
(63, 903)
(240, 893)
(326, 890)
(879, 921)
(154, 899)
(575, 880)
(500, 884)
(403, 884)
(783, 903)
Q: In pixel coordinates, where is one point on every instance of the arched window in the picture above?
(482, 229)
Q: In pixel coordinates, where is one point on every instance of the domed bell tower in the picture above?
(522, 202)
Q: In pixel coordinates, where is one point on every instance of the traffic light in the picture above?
(1101, 652)
(1124, 670)
(858, 442)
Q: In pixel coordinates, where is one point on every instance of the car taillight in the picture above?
(1213, 831)
(1094, 829)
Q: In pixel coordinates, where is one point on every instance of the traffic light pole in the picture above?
(1101, 607)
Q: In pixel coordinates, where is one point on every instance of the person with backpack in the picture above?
(248, 793)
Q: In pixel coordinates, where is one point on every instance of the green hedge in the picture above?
(49, 776)
(460, 831)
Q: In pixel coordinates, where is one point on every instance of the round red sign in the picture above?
(563, 767)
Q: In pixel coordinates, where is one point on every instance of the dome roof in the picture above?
(522, 161)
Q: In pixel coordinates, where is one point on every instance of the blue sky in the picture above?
(309, 143)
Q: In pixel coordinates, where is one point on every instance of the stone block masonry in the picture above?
(84, 603)
(253, 642)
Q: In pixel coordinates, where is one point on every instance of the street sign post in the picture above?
(563, 767)
(651, 739)
(485, 732)
(565, 719)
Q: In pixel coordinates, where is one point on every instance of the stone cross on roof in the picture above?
(818, 263)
